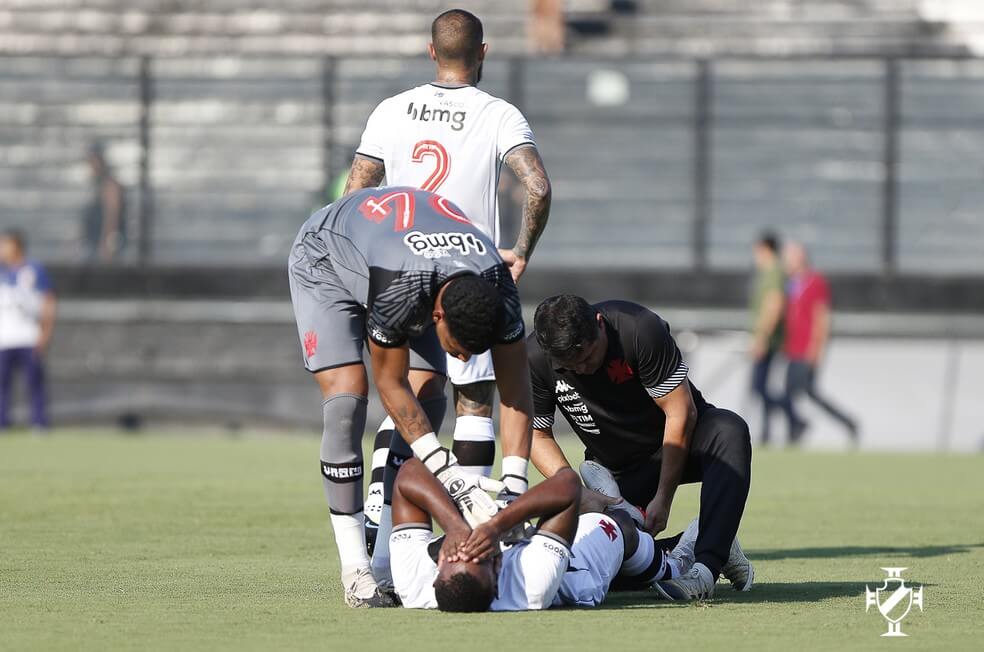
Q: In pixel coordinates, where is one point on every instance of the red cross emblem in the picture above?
(609, 529)
(310, 343)
(619, 371)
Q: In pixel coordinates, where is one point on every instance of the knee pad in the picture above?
(341, 451)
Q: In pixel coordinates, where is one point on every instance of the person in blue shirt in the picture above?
(27, 319)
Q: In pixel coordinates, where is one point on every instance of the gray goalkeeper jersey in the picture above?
(393, 248)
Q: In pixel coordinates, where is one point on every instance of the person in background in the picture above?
(766, 302)
(807, 332)
(104, 217)
(27, 320)
(547, 28)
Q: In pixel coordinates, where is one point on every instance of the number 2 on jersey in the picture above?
(442, 162)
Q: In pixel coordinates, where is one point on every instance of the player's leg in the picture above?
(427, 379)
(8, 360)
(474, 394)
(760, 387)
(331, 326)
(34, 368)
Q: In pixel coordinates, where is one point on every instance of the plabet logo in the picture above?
(441, 245)
(577, 410)
(455, 118)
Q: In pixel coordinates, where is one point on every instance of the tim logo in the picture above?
(454, 118)
(894, 600)
(442, 245)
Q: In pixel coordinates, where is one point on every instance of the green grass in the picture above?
(187, 543)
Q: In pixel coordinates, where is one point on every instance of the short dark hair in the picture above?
(17, 236)
(457, 36)
(769, 240)
(463, 592)
(563, 323)
(474, 312)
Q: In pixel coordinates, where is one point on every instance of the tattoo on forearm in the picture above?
(526, 163)
(411, 420)
(365, 173)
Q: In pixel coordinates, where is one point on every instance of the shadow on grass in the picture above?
(772, 554)
(779, 592)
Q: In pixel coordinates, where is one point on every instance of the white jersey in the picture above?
(529, 576)
(596, 558)
(450, 140)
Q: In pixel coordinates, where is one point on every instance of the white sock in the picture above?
(350, 538)
(642, 558)
(476, 429)
(381, 553)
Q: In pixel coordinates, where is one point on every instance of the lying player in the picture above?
(570, 560)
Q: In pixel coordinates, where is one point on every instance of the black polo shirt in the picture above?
(612, 411)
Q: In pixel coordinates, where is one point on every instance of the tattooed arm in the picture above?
(365, 173)
(390, 367)
(525, 162)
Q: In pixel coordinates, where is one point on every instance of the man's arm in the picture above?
(681, 417)
(768, 321)
(546, 454)
(512, 379)
(390, 367)
(418, 496)
(49, 307)
(554, 501)
(527, 165)
(365, 173)
(112, 200)
(819, 333)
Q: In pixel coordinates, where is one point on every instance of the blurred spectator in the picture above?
(766, 302)
(27, 320)
(807, 332)
(547, 29)
(104, 217)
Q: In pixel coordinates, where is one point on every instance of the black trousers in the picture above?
(801, 379)
(760, 387)
(721, 460)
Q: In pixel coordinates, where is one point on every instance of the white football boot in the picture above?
(695, 584)
(738, 570)
(362, 592)
(683, 552)
(600, 479)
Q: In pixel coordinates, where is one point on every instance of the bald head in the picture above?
(456, 36)
(795, 257)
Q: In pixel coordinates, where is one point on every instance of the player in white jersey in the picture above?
(451, 138)
(568, 560)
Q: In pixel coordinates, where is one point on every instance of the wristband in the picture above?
(428, 450)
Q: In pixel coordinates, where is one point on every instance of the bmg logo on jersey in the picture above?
(455, 118)
(440, 245)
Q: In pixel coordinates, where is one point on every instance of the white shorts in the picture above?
(529, 576)
(596, 558)
(478, 368)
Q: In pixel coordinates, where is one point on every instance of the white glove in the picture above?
(467, 490)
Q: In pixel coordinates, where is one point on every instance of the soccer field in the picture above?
(193, 543)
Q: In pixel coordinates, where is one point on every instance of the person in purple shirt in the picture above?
(27, 319)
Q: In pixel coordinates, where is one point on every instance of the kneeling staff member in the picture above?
(618, 377)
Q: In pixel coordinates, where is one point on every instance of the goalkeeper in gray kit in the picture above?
(404, 271)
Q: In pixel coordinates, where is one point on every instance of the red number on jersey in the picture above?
(442, 162)
(377, 208)
(447, 209)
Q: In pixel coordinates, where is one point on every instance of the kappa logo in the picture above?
(895, 603)
(562, 387)
(441, 245)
